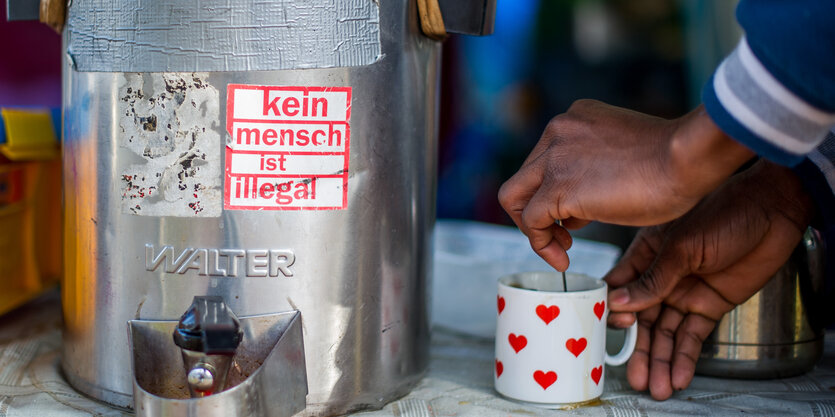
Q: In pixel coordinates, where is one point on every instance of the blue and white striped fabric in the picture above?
(824, 159)
(775, 94)
(767, 109)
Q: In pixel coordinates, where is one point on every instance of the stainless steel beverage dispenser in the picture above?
(278, 157)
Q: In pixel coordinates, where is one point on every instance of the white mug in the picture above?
(551, 344)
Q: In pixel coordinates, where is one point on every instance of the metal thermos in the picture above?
(279, 156)
(779, 331)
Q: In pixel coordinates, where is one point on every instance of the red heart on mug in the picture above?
(517, 342)
(596, 373)
(500, 303)
(545, 379)
(547, 314)
(599, 309)
(500, 368)
(576, 346)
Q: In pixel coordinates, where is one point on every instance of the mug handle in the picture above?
(627, 349)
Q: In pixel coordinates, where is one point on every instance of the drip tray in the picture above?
(267, 376)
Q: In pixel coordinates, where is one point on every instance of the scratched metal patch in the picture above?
(170, 122)
(221, 35)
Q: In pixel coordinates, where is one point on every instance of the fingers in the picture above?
(676, 345)
(517, 191)
(551, 245)
(663, 346)
(543, 208)
(637, 369)
(637, 258)
(621, 320)
(656, 282)
(534, 213)
(689, 338)
(564, 238)
(547, 239)
(667, 349)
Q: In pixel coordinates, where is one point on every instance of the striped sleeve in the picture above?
(749, 104)
(824, 159)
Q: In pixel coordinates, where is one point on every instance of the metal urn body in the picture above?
(147, 227)
(779, 331)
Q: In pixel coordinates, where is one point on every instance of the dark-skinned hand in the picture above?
(605, 163)
(682, 277)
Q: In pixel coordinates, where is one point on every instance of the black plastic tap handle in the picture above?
(208, 326)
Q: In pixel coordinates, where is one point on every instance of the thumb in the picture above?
(638, 257)
(655, 284)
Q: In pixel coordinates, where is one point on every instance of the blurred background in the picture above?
(30, 63)
(499, 92)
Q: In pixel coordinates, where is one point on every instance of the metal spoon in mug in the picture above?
(564, 285)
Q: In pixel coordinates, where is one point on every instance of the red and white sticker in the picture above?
(287, 147)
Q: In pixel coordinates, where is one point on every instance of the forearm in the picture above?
(702, 156)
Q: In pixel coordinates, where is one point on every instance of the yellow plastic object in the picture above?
(30, 207)
(30, 135)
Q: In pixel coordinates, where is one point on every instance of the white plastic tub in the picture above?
(469, 259)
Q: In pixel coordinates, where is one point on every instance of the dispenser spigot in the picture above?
(208, 335)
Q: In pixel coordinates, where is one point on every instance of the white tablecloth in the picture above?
(458, 383)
